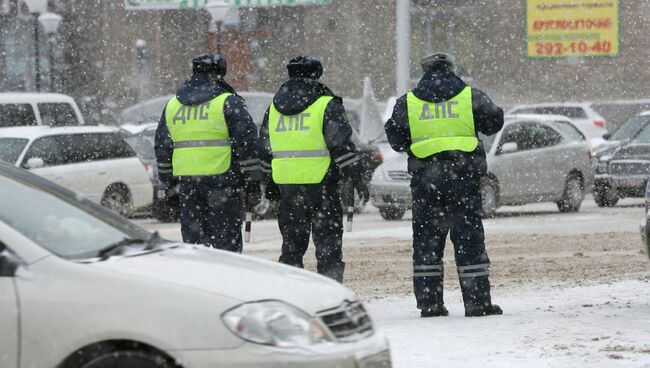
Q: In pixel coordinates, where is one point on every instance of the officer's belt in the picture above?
(203, 143)
(297, 154)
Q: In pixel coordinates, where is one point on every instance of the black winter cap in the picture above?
(305, 67)
(210, 64)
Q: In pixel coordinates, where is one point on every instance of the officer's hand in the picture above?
(253, 193)
(362, 190)
(272, 192)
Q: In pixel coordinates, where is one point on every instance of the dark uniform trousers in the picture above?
(447, 199)
(315, 209)
(210, 214)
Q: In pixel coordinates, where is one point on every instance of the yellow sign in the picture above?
(561, 28)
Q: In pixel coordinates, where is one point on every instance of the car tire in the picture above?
(109, 358)
(573, 194)
(605, 197)
(117, 198)
(488, 198)
(392, 213)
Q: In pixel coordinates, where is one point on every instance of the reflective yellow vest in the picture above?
(300, 155)
(442, 126)
(200, 135)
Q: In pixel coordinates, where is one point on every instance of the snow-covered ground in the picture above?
(606, 325)
(575, 289)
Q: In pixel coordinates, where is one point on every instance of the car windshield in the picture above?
(59, 222)
(631, 128)
(573, 112)
(11, 148)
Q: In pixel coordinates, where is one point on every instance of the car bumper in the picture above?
(372, 352)
(629, 185)
(390, 193)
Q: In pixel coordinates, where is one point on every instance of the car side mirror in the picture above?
(35, 163)
(606, 136)
(509, 147)
(8, 262)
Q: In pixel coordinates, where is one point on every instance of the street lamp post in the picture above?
(218, 15)
(141, 47)
(36, 7)
(50, 23)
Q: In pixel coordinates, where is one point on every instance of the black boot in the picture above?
(476, 297)
(435, 311)
(333, 271)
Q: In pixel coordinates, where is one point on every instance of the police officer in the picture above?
(437, 124)
(206, 144)
(305, 142)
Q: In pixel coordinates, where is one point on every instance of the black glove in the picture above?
(272, 192)
(253, 192)
(361, 188)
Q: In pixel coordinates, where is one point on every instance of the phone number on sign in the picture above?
(580, 47)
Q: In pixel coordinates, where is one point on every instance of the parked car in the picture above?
(624, 172)
(535, 158)
(644, 228)
(94, 161)
(81, 287)
(628, 131)
(51, 109)
(582, 114)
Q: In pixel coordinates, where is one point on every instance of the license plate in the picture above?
(381, 360)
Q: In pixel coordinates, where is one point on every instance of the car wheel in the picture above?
(123, 359)
(265, 209)
(605, 197)
(392, 213)
(573, 194)
(118, 199)
(488, 198)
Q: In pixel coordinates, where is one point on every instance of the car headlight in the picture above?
(275, 323)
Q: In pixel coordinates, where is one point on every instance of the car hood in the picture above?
(633, 151)
(235, 276)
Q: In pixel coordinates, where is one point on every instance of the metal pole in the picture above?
(51, 62)
(37, 57)
(403, 45)
(219, 23)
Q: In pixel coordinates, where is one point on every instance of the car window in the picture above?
(488, 141)
(516, 133)
(574, 112)
(16, 115)
(570, 130)
(644, 136)
(55, 224)
(525, 110)
(57, 114)
(542, 136)
(46, 148)
(11, 148)
(113, 146)
(631, 128)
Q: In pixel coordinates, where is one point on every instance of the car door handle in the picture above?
(101, 173)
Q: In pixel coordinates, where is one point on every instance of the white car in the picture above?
(26, 109)
(81, 287)
(93, 161)
(582, 114)
(534, 158)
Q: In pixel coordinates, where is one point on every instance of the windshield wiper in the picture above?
(117, 247)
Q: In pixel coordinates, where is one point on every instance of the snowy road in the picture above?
(575, 289)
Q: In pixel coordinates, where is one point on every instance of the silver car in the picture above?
(535, 158)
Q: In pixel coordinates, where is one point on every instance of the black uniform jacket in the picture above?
(295, 96)
(438, 86)
(201, 88)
